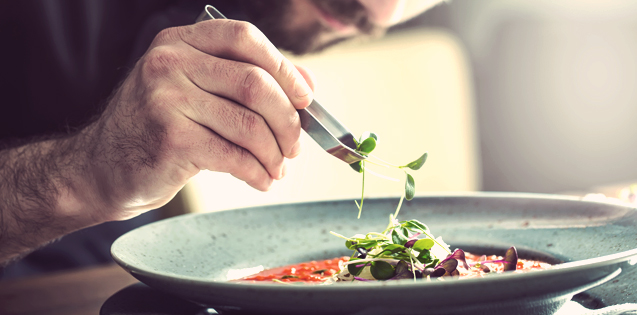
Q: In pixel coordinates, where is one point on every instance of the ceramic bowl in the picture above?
(192, 255)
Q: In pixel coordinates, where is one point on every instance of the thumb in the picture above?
(308, 76)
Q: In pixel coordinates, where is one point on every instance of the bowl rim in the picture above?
(573, 266)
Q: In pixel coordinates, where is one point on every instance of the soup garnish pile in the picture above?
(404, 250)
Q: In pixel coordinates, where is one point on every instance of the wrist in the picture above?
(81, 199)
(43, 195)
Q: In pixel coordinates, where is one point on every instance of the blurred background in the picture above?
(527, 96)
(505, 95)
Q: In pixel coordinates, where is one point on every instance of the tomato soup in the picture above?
(319, 271)
(309, 272)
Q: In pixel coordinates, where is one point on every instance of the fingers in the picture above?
(308, 75)
(238, 88)
(238, 125)
(241, 41)
(255, 89)
(208, 150)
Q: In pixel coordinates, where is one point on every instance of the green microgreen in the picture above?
(382, 270)
(398, 237)
(410, 187)
(423, 244)
(417, 164)
(364, 146)
(354, 270)
(402, 242)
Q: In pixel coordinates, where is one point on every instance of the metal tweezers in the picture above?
(324, 128)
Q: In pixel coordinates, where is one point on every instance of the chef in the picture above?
(111, 106)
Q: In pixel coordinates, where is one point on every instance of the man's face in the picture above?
(305, 26)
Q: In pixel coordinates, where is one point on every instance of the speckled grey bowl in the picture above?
(191, 255)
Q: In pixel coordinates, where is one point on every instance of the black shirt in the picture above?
(61, 59)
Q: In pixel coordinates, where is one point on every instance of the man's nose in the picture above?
(384, 12)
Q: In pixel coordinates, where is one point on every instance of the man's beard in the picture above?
(271, 16)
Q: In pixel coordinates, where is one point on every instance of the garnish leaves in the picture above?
(402, 271)
(449, 265)
(392, 249)
(367, 146)
(398, 238)
(354, 270)
(459, 255)
(369, 134)
(423, 244)
(357, 166)
(410, 187)
(364, 146)
(438, 273)
(511, 259)
(425, 257)
(414, 224)
(417, 164)
(382, 270)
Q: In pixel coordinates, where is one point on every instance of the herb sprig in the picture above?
(364, 146)
(395, 253)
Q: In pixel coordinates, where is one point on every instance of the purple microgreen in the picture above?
(402, 271)
(381, 270)
(485, 269)
(410, 243)
(415, 236)
(496, 261)
(438, 272)
(458, 254)
(511, 259)
(449, 265)
(362, 279)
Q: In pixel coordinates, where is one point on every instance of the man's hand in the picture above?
(216, 95)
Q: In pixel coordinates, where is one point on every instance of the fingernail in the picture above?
(284, 170)
(296, 149)
(302, 89)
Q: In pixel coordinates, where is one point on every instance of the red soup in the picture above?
(320, 271)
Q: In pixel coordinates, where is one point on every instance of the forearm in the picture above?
(43, 194)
